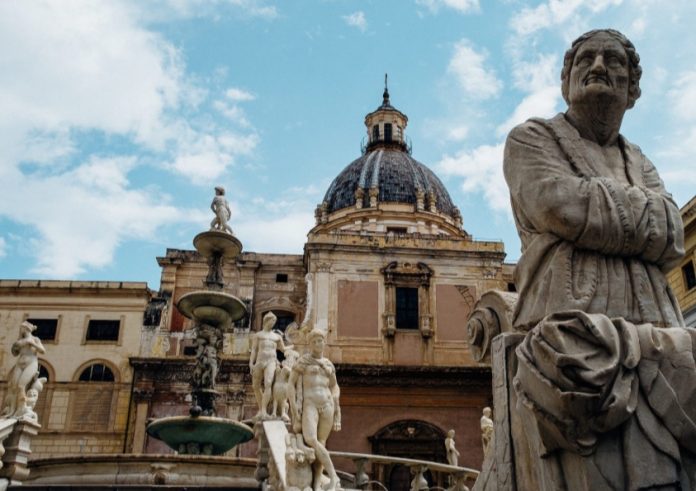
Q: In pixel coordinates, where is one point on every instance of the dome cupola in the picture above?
(386, 189)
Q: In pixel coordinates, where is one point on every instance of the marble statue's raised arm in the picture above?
(556, 189)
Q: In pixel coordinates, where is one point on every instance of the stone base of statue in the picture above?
(17, 451)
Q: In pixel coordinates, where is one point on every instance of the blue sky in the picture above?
(118, 118)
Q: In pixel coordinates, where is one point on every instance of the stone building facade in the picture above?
(388, 270)
(390, 273)
(89, 331)
(682, 279)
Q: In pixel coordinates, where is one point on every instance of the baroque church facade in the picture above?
(388, 271)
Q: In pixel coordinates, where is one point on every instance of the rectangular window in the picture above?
(375, 133)
(281, 278)
(406, 308)
(689, 275)
(190, 350)
(387, 132)
(45, 328)
(103, 330)
(397, 230)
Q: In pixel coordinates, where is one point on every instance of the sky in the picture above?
(118, 118)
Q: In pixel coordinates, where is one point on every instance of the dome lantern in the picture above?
(386, 126)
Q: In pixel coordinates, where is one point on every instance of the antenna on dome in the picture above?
(385, 96)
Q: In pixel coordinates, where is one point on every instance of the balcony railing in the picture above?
(458, 477)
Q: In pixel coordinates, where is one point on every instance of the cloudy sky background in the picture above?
(117, 118)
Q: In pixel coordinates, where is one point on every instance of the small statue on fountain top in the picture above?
(221, 208)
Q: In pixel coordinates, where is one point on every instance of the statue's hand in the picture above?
(296, 425)
(337, 425)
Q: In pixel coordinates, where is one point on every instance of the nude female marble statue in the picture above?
(24, 374)
(313, 382)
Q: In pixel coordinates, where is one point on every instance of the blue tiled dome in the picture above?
(396, 174)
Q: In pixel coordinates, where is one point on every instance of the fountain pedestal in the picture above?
(213, 312)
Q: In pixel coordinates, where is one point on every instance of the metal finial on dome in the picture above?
(385, 95)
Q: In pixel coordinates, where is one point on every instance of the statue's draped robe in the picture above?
(613, 394)
(588, 242)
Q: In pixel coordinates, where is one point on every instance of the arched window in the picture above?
(91, 406)
(97, 372)
(409, 439)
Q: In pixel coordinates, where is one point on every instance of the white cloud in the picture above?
(167, 10)
(555, 12)
(284, 234)
(469, 69)
(3, 247)
(462, 6)
(482, 171)
(356, 19)
(682, 96)
(84, 214)
(239, 95)
(94, 67)
(540, 103)
(457, 133)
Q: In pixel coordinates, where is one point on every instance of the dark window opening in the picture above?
(43, 372)
(406, 308)
(511, 287)
(97, 373)
(281, 278)
(45, 328)
(103, 330)
(190, 350)
(375, 132)
(689, 275)
(387, 132)
(397, 230)
(244, 322)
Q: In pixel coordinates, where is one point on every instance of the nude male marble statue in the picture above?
(313, 381)
(221, 208)
(263, 363)
(606, 374)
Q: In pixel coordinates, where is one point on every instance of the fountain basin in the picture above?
(210, 307)
(211, 435)
(214, 242)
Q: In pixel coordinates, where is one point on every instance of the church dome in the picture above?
(397, 177)
(386, 173)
